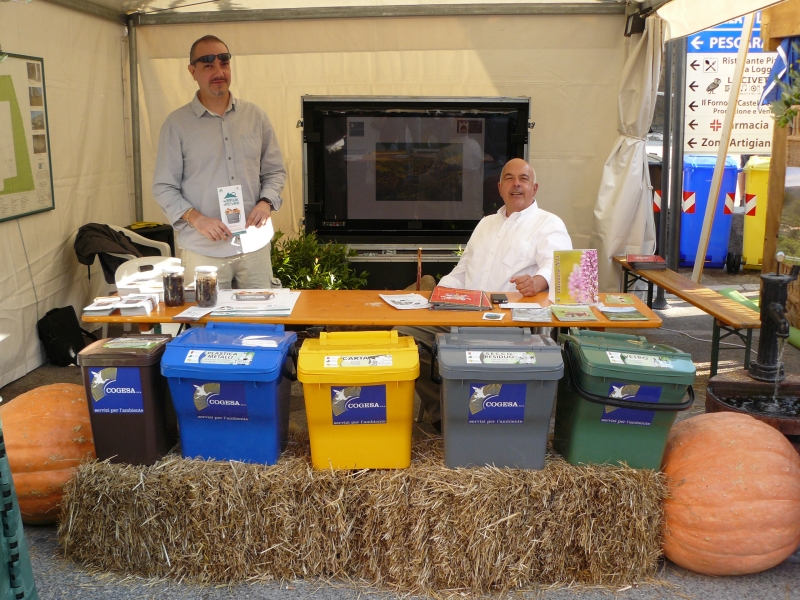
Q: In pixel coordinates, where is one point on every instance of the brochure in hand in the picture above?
(645, 262)
(443, 298)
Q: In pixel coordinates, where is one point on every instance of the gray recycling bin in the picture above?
(498, 391)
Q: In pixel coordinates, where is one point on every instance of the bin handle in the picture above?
(601, 334)
(291, 375)
(334, 338)
(618, 402)
(436, 378)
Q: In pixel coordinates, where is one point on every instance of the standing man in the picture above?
(217, 141)
(509, 251)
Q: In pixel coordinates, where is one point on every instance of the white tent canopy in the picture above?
(566, 56)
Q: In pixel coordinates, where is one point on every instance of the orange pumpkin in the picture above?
(734, 505)
(47, 435)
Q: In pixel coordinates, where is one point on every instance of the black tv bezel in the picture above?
(354, 231)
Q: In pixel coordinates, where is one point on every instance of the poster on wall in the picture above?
(26, 182)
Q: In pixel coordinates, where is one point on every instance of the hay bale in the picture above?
(424, 529)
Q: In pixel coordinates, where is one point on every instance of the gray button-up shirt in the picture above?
(199, 151)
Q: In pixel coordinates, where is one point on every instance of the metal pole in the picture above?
(676, 162)
(660, 302)
(135, 134)
(722, 152)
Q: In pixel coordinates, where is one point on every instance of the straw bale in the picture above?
(419, 530)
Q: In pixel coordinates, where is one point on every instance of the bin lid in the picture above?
(358, 357)
(707, 161)
(618, 355)
(510, 353)
(129, 351)
(229, 351)
(757, 163)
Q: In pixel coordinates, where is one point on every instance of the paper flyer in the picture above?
(231, 208)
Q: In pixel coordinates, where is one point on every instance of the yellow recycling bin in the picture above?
(755, 210)
(359, 396)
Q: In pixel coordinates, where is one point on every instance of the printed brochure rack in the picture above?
(359, 396)
(230, 384)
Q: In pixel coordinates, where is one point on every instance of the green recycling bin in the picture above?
(618, 398)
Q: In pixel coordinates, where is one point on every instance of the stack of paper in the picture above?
(136, 305)
(102, 306)
(443, 298)
(280, 305)
(533, 313)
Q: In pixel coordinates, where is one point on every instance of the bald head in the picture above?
(517, 185)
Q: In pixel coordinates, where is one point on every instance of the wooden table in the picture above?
(728, 315)
(366, 308)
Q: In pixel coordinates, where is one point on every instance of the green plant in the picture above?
(785, 108)
(303, 263)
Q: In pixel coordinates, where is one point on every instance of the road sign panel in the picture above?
(711, 62)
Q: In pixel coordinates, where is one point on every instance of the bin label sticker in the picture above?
(496, 403)
(258, 341)
(223, 401)
(358, 404)
(219, 357)
(116, 390)
(133, 343)
(639, 360)
(630, 416)
(372, 360)
(475, 357)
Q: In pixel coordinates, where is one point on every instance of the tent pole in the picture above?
(676, 162)
(660, 302)
(719, 168)
(133, 60)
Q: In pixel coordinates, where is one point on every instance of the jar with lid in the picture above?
(206, 286)
(173, 285)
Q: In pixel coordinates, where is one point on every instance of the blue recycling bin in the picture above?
(697, 174)
(230, 385)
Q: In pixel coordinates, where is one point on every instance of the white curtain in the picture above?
(623, 214)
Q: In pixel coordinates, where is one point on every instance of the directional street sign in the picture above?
(710, 63)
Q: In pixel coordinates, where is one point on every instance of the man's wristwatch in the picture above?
(271, 205)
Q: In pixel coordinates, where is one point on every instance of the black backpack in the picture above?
(62, 336)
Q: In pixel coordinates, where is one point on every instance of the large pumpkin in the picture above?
(734, 504)
(47, 434)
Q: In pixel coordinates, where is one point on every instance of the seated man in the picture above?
(509, 251)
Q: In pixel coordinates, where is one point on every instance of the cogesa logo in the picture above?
(493, 403)
(358, 405)
(116, 390)
(222, 401)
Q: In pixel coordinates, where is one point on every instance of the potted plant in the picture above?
(303, 263)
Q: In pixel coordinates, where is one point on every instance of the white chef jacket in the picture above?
(502, 247)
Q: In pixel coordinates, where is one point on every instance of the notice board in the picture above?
(26, 182)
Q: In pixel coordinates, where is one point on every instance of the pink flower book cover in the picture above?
(574, 277)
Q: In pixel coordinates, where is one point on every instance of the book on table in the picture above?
(444, 298)
(574, 277)
(531, 314)
(573, 313)
(102, 306)
(620, 313)
(645, 262)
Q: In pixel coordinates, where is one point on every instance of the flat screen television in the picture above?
(403, 169)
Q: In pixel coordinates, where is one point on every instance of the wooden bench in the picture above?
(729, 316)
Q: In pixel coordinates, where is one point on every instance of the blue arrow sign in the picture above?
(725, 38)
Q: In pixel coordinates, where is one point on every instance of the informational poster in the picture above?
(26, 182)
(710, 65)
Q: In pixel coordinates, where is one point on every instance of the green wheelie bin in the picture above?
(618, 398)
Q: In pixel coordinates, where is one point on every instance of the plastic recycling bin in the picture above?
(755, 210)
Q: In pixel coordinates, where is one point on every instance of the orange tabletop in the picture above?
(366, 308)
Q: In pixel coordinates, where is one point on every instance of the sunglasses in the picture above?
(210, 58)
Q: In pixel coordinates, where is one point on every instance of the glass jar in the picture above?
(206, 286)
(173, 285)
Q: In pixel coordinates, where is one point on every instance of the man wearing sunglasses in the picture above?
(217, 141)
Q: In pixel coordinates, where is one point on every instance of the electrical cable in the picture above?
(691, 337)
(30, 271)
